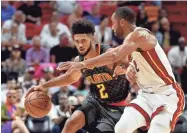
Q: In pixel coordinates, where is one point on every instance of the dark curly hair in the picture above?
(83, 27)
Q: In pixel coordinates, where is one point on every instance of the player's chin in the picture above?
(82, 53)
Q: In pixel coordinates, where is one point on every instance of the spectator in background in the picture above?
(15, 63)
(48, 73)
(76, 15)
(29, 74)
(11, 123)
(37, 54)
(157, 3)
(52, 39)
(61, 28)
(20, 36)
(45, 71)
(184, 77)
(178, 54)
(170, 37)
(62, 52)
(5, 51)
(65, 7)
(94, 16)
(20, 108)
(87, 5)
(63, 91)
(129, 2)
(154, 28)
(32, 12)
(141, 18)
(162, 13)
(103, 33)
(10, 85)
(83, 89)
(61, 112)
(7, 11)
(6, 48)
(18, 18)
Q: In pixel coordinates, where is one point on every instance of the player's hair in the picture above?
(83, 27)
(127, 14)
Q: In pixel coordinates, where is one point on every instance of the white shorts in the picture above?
(149, 104)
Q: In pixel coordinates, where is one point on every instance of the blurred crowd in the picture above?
(28, 60)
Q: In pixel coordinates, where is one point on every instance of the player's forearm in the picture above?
(62, 80)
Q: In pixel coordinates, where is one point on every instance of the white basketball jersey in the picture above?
(152, 67)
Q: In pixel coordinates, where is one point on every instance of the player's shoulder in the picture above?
(142, 34)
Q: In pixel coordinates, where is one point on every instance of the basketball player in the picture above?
(160, 100)
(105, 103)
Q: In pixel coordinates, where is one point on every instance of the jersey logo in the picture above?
(99, 78)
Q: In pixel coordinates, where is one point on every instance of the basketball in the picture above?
(37, 104)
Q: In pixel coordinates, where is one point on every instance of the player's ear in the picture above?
(122, 22)
(93, 39)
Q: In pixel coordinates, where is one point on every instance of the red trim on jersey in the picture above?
(158, 110)
(180, 105)
(143, 112)
(121, 103)
(152, 58)
(129, 57)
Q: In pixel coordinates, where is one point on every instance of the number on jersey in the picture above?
(102, 88)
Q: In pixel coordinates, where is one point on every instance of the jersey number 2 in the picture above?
(102, 88)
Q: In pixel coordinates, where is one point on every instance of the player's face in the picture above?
(117, 28)
(83, 43)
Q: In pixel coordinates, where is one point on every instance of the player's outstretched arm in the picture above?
(107, 58)
(113, 56)
(68, 78)
(63, 80)
(139, 39)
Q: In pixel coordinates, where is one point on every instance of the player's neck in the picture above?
(93, 52)
(130, 29)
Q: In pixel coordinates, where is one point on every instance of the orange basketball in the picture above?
(37, 104)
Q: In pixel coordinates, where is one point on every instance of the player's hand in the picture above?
(68, 66)
(119, 70)
(35, 88)
(131, 74)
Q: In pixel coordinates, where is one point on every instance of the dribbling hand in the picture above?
(119, 70)
(35, 88)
